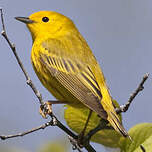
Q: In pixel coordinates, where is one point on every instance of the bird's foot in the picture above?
(45, 109)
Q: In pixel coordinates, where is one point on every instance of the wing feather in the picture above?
(79, 81)
(75, 75)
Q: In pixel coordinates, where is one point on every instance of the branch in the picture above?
(53, 122)
(124, 108)
(3, 137)
(12, 46)
(74, 142)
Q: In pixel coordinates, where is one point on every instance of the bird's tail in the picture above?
(116, 124)
(112, 117)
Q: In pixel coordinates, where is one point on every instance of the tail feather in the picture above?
(116, 124)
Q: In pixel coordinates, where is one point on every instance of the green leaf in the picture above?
(141, 134)
(76, 117)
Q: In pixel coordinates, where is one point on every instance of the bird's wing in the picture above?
(75, 76)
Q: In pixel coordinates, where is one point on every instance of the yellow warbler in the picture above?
(66, 66)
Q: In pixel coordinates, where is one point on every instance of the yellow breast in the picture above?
(48, 80)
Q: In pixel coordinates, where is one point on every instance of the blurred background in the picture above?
(120, 35)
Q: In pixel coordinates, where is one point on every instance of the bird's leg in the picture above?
(46, 109)
(81, 135)
(102, 125)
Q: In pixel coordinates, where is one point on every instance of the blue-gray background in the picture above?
(120, 35)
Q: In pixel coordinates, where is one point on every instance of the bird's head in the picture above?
(47, 24)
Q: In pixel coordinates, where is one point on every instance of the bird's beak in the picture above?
(25, 20)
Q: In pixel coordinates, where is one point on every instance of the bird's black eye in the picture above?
(45, 19)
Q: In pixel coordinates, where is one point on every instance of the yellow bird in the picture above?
(66, 66)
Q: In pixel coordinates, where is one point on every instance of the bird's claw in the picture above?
(45, 110)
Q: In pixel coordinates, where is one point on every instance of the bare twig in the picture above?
(3, 137)
(89, 148)
(12, 46)
(2, 19)
(87, 145)
(53, 122)
(74, 143)
(124, 108)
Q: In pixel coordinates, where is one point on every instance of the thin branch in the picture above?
(53, 122)
(86, 145)
(124, 108)
(2, 19)
(74, 143)
(62, 127)
(3, 137)
(12, 46)
(89, 148)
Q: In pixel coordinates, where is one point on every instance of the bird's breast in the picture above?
(49, 80)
